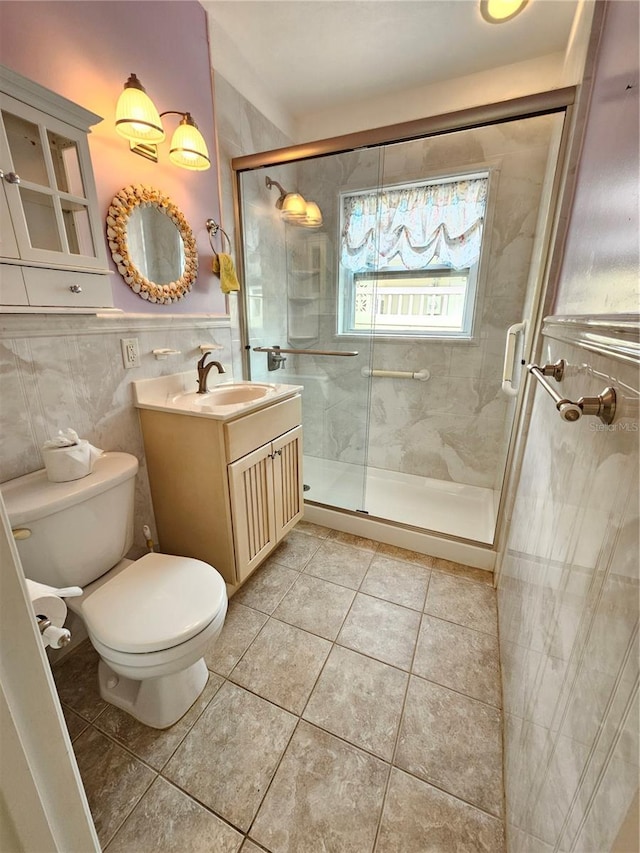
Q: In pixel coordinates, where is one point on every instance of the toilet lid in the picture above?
(157, 602)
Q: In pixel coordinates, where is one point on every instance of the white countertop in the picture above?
(177, 394)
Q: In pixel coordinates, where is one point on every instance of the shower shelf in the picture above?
(304, 288)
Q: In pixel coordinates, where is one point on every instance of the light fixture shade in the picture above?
(312, 216)
(188, 148)
(294, 207)
(137, 118)
(499, 11)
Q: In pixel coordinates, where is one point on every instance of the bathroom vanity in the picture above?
(225, 468)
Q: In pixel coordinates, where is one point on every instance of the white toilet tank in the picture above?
(80, 529)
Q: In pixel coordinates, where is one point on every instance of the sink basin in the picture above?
(224, 395)
(224, 401)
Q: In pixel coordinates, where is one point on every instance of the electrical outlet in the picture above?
(130, 352)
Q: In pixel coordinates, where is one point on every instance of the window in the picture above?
(409, 258)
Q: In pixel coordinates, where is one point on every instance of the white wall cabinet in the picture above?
(225, 492)
(52, 249)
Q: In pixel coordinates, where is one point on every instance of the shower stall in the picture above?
(382, 272)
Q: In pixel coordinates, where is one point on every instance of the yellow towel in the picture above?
(222, 265)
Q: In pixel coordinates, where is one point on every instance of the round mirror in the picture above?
(152, 244)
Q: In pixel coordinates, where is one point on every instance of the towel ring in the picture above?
(213, 228)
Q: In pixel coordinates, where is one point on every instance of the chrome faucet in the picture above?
(203, 372)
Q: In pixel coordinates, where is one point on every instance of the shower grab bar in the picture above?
(305, 351)
(602, 406)
(509, 359)
(422, 375)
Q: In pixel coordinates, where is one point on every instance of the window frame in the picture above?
(345, 292)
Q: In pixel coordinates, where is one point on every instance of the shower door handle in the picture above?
(509, 359)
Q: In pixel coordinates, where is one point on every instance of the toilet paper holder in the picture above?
(58, 637)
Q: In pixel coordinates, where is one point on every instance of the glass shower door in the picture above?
(459, 276)
(291, 293)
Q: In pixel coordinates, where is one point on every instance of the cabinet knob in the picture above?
(75, 288)
(10, 177)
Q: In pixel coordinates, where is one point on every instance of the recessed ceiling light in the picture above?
(499, 11)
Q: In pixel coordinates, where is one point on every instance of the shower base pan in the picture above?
(435, 506)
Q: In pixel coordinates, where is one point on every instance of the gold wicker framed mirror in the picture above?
(152, 244)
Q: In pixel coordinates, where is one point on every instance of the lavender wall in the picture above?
(85, 51)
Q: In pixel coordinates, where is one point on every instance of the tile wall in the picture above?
(60, 371)
(241, 129)
(568, 612)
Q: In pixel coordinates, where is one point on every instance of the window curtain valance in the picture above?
(418, 224)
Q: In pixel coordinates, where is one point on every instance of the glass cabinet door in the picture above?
(48, 186)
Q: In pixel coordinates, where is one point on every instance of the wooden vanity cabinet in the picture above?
(225, 493)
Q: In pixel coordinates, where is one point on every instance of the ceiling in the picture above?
(312, 54)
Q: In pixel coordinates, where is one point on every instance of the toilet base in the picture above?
(156, 702)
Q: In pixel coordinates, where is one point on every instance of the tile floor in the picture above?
(353, 706)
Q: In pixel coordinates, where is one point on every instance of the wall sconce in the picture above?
(138, 120)
(294, 209)
(499, 11)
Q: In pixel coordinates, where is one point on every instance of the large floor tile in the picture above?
(460, 658)
(341, 564)
(168, 821)
(418, 818)
(296, 550)
(231, 754)
(266, 588)
(463, 601)
(394, 580)
(113, 779)
(326, 796)
(381, 630)
(282, 665)
(155, 746)
(315, 605)
(76, 678)
(429, 562)
(360, 700)
(241, 627)
(453, 742)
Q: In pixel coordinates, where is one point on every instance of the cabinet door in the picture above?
(252, 509)
(287, 480)
(52, 202)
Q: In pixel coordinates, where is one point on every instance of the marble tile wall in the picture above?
(453, 427)
(568, 612)
(61, 371)
(242, 129)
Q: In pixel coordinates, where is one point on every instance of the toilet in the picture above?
(151, 619)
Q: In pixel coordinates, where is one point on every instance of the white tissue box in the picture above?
(69, 463)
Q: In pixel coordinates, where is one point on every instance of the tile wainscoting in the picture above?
(59, 371)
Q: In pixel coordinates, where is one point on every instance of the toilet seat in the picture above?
(154, 604)
(165, 661)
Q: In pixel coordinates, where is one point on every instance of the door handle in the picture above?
(509, 359)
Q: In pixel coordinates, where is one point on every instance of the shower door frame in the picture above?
(541, 103)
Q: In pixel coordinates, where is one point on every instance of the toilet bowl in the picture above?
(150, 620)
